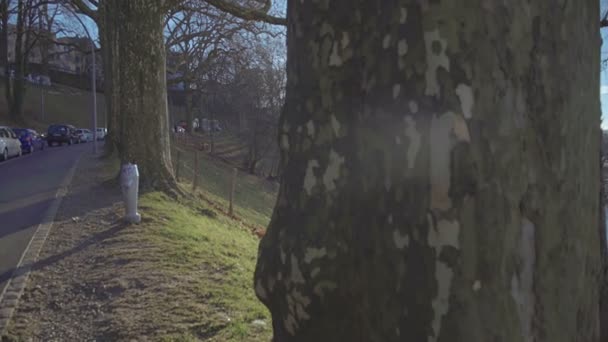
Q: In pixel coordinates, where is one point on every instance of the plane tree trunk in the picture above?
(440, 177)
(142, 99)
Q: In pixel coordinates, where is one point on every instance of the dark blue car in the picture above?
(30, 140)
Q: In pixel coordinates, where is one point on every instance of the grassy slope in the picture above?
(210, 259)
(205, 260)
(254, 197)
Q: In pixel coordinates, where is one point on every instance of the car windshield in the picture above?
(79, 131)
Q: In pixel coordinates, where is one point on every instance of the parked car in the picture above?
(210, 125)
(30, 140)
(101, 133)
(84, 135)
(10, 146)
(61, 134)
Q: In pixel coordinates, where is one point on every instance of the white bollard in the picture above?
(129, 182)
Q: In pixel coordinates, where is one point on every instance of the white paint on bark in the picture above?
(401, 241)
(284, 142)
(310, 126)
(460, 129)
(440, 304)
(283, 255)
(477, 285)
(445, 234)
(334, 58)
(345, 40)
(414, 141)
(522, 283)
(402, 48)
(310, 180)
(386, 42)
(290, 324)
(446, 130)
(326, 29)
(434, 61)
(301, 302)
(332, 173)
(440, 161)
(413, 107)
(396, 90)
(315, 272)
(335, 125)
(465, 95)
(296, 274)
(403, 16)
(314, 253)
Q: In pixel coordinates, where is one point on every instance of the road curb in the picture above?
(9, 298)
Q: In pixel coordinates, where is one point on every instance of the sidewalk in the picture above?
(183, 274)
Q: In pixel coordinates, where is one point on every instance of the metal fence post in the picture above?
(196, 166)
(232, 189)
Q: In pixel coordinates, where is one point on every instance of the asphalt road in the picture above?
(28, 186)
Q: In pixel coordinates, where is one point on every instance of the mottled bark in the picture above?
(144, 132)
(440, 173)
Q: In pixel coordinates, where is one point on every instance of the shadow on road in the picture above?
(86, 196)
(40, 264)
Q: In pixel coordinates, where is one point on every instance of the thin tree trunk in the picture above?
(4, 16)
(108, 27)
(440, 179)
(604, 250)
(144, 134)
(188, 107)
(15, 103)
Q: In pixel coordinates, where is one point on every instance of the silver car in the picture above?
(10, 145)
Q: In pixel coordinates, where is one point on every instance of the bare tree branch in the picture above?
(84, 8)
(248, 14)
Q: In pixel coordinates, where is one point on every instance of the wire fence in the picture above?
(237, 193)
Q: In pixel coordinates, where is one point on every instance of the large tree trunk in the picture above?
(144, 133)
(441, 177)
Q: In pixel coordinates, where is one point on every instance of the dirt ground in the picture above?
(97, 281)
(89, 214)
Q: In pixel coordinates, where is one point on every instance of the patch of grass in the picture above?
(254, 197)
(207, 265)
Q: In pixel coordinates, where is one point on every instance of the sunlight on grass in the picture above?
(254, 197)
(218, 258)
